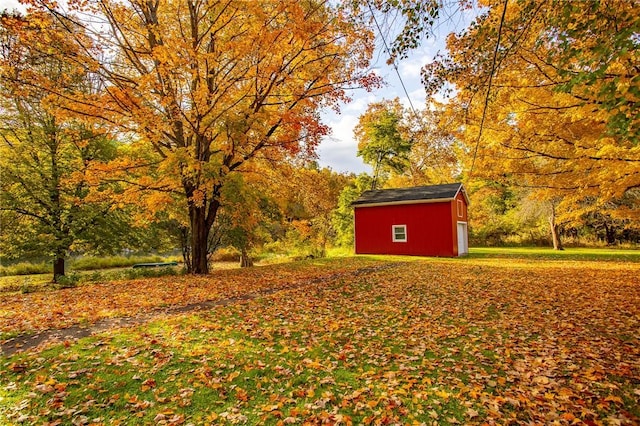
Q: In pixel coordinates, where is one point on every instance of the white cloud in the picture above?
(418, 98)
(410, 67)
(339, 150)
(360, 102)
(11, 5)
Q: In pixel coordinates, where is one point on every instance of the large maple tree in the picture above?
(211, 85)
(546, 99)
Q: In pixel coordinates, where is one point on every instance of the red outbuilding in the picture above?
(422, 221)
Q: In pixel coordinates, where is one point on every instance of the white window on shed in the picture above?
(399, 233)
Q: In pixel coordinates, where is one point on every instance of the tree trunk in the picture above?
(185, 244)
(199, 237)
(555, 231)
(245, 260)
(323, 246)
(610, 233)
(202, 218)
(555, 235)
(376, 173)
(58, 267)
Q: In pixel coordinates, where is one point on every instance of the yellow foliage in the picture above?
(555, 143)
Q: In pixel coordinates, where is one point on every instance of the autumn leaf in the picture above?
(417, 342)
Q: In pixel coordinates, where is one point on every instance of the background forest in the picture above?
(190, 127)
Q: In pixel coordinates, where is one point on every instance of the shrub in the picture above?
(27, 286)
(94, 276)
(25, 268)
(92, 263)
(150, 272)
(226, 254)
(67, 281)
(306, 253)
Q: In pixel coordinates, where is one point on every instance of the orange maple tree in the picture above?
(211, 85)
(534, 101)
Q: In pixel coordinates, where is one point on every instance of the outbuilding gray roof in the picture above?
(429, 193)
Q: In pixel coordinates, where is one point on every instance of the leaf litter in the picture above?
(424, 342)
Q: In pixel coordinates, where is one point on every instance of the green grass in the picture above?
(545, 253)
(43, 282)
(206, 369)
(525, 254)
(25, 268)
(28, 277)
(88, 263)
(24, 283)
(433, 341)
(517, 253)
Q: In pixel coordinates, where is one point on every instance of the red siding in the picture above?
(431, 229)
(454, 211)
(458, 214)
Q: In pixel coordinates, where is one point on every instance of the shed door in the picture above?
(463, 239)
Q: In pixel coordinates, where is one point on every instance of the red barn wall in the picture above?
(431, 229)
(454, 208)
(458, 214)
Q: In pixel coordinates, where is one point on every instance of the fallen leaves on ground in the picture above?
(45, 310)
(426, 342)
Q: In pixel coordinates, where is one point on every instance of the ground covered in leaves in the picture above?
(468, 341)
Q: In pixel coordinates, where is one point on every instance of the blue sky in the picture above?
(338, 150)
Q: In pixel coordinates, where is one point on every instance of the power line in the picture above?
(395, 67)
(486, 98)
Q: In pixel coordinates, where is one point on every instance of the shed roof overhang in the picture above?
(414, 195)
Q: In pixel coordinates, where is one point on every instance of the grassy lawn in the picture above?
(43, 282)
(484, 339)
(547, 253)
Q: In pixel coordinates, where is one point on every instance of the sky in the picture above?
(10, 4)
(338, 150)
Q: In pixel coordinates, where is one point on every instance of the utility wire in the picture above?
(395, 67)
(486, 98)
